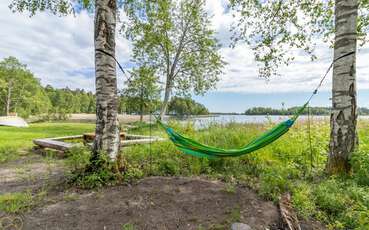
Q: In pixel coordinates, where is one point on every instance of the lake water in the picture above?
(202, 122)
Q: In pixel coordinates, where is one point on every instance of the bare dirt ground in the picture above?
(152, 203)
(157, 203)
(30, 172)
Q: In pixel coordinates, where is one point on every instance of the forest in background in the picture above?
(21, 93)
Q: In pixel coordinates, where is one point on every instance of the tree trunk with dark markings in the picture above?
(343, 138)
(107, 126)
(8, 98)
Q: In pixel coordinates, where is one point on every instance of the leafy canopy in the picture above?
(174, 37)
(142, 91)
(21, 89)
(59, 7)
(275, 28)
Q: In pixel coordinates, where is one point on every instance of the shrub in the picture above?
(78, 159)
(360, 166)
(302, 200)
(95, 179)
(169, 167)
(91, 174)
(133, 173)
(330, 197)
(276, 180)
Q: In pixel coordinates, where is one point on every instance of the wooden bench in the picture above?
(59, 144)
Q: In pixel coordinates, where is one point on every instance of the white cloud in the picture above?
(303, 75)
(241, 73)
(59, 50)
(221, 19)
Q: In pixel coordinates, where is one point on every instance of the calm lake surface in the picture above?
(203, 122)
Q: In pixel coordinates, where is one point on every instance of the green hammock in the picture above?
(192, 147)
(195, 148)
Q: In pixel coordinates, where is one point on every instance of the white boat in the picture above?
(13, 121)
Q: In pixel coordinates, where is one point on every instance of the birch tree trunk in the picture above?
(343, 139)
(8, 98)
(107, 138)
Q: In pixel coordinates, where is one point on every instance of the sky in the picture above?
(59, 51)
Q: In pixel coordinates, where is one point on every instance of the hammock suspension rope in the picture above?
(192, 147)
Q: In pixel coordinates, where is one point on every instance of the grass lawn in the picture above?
(13, 139)
(22, 137)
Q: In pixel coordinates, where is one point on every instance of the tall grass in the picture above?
(287, 165)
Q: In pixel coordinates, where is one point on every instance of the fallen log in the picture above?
(75, 137)
(57, 143)
(288, 214)
(88, 137)
(54, 144)
(140, 141)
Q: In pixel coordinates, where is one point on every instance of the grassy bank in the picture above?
(289, 164)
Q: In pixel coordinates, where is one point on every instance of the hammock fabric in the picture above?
(192, 147)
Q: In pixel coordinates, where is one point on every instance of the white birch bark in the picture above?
(343, 137)
(107, 138)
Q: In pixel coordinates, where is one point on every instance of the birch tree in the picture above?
(343, 138)
(142, 90)
(174, 37)
(107, 137)
(20, 91)
(107, 128)
(272, 28)
(10, 72)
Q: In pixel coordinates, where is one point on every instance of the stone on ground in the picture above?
(240, 226)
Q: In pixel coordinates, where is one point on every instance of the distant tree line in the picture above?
(186, 106)
(22, 93)
(292, 110)
(178, 106)
(66, 101)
